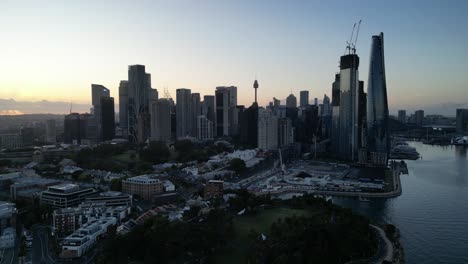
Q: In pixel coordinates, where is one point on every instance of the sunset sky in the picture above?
(54, 50)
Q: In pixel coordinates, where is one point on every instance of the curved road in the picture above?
(388, 247)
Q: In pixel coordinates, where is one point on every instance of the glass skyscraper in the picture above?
(377, 105)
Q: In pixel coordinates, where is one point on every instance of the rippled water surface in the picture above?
(432, 212)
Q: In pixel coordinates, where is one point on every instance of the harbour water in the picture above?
(432, 212)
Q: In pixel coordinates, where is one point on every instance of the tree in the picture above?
(156, 152)
(116, 185)
(237, 165)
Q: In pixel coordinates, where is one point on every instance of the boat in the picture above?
(362, 199)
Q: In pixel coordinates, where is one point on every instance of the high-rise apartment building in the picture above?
(205, 128)
(304, 98)
(267, 130)
(183, 112)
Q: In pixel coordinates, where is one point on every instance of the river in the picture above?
(432, 212)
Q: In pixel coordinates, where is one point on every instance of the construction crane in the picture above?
(348, 46)
(356, 38)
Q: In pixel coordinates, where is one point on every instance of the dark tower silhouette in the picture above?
(255, 86)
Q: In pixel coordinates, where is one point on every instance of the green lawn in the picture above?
(261, 223)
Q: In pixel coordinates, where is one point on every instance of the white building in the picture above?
(205, 128)
(267, 130)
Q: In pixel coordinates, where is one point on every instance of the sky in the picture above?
(55, 50)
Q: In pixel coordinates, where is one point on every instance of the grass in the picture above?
(236, 251)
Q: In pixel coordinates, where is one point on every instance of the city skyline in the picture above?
(278, 44)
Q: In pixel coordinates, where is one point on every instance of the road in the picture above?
(387, 250)
(40, 250)
(10, 255)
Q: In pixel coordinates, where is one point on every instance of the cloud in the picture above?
(13, 107)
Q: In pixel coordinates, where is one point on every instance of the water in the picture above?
(432, 212)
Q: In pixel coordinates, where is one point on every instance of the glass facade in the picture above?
(377, 105)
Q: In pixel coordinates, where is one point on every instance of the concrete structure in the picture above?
(304, 98)
(183, 113)
(144, 186)
(65, 195)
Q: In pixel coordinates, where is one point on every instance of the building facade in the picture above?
(183, 112)
(144, 186)
(304, 98)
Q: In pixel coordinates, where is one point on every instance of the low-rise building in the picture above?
(111, 198)
(213, 189)
(65, 195)
(78, 243)
(144, 186)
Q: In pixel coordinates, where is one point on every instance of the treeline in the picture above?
(162, 241)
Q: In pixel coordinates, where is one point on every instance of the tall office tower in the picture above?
(308, 124)
(205, 128)
(285, 132)
(362, 114)
(234, 117)
(304, 98)
(255, 86)
(73, 129)
(161, 120)
(222, 111)
(183, 113)
(419, 117)
(209, 110)
(402, 116)
(232, 96)
(326, 108)
(291, 101)
(51, 131)
(378, 134)
(462, 121)
(139, 86)
(195, 112)
(336, 91)
(316, 101)
(276, 102)
(123, 108)
(97, 92)
(349, 104)
(267, 130)
(107, 119)
(249, 126)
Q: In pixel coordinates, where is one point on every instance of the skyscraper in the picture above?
(139, 86)
(97, 93)
(222, 111)
(402, 116)
(161, 120)
(267, 130)
(196, 111)
(348, 116)
(378, 137)
(336, 91)
(107, 119)
(205, 128)
(304, 98)
(209, 109)
(291, 101)
(419, 117)
(183, 112)
(123, 108)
